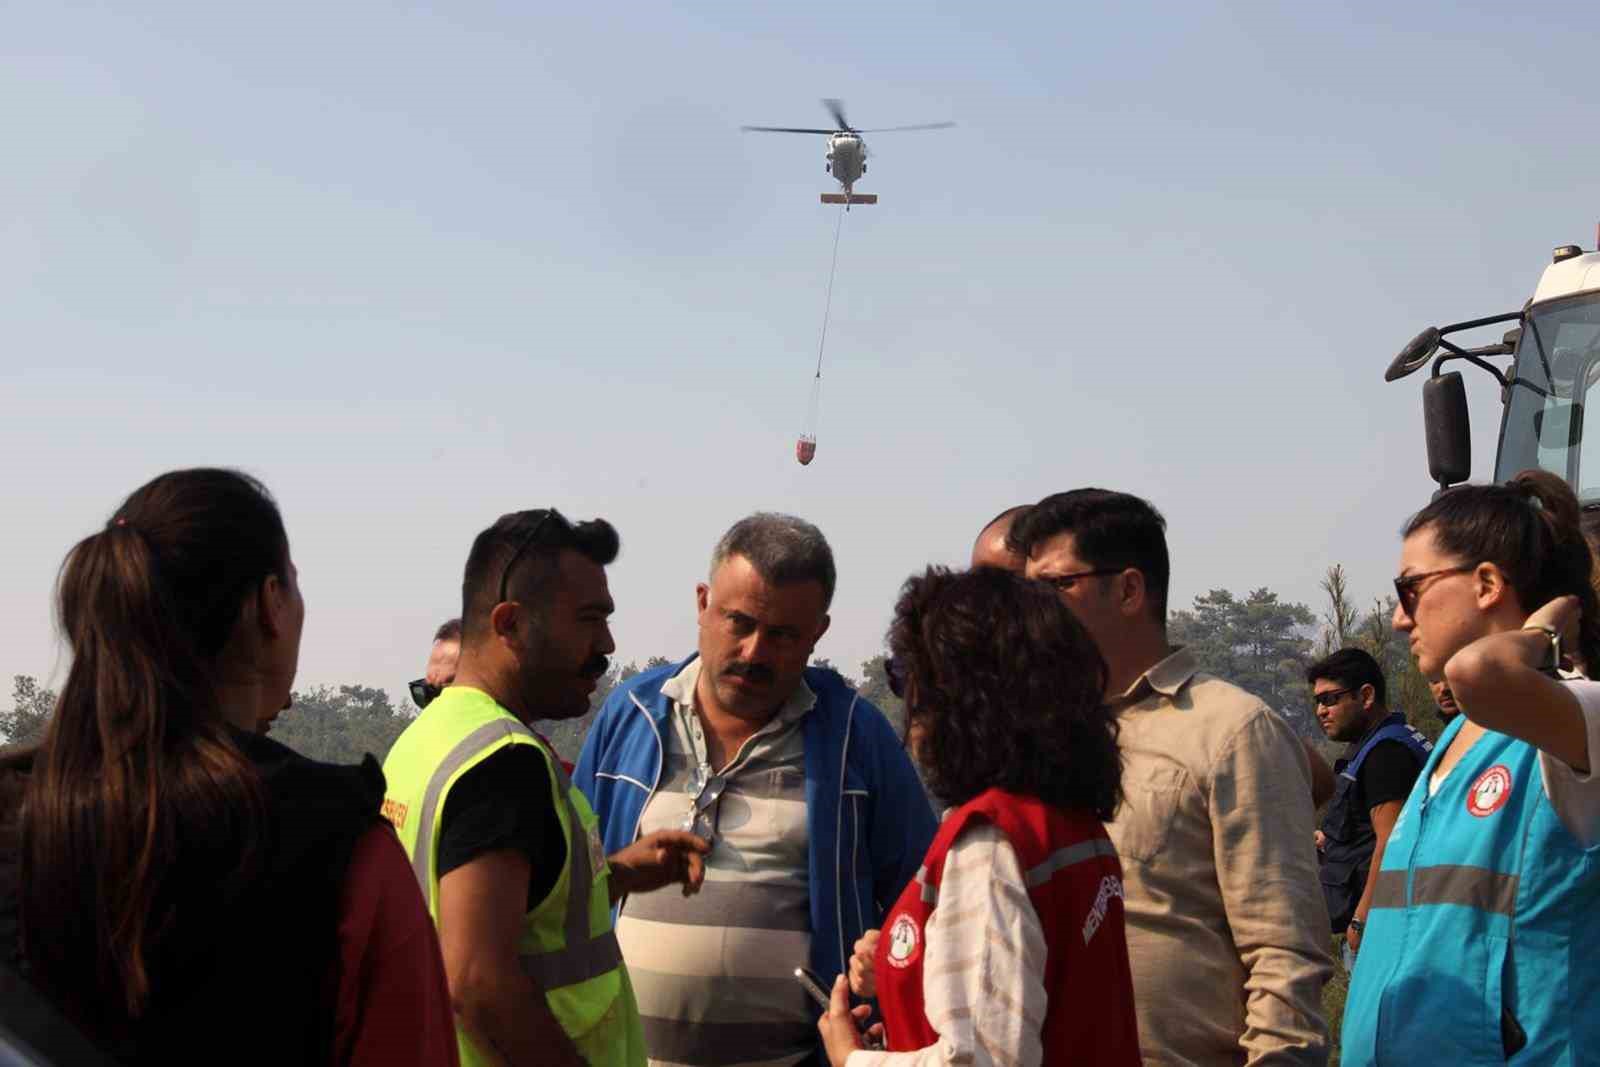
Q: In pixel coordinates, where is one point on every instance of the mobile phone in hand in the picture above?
(813, 985)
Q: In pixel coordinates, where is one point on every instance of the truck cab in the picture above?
(1554, 345)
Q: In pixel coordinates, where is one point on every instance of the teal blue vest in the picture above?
(1484, 932)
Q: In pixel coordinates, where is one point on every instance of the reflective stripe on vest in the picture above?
(583, 957)
(1470, 887)
(1039, 875)
(1066, 857)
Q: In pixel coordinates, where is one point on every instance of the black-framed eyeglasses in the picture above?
(1329, 697)
(522, 546)
(1408, 587)
(1063, 582)
(423, 692)
(895, 672)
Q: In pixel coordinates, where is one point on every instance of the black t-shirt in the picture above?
(505, 802)
(1387, 774)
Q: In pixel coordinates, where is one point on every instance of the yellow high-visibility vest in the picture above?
(567, 945)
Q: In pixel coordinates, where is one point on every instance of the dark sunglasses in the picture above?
(1408, 587)
(528, 538)
(1329, 697)
(423, 692)
(895, 671)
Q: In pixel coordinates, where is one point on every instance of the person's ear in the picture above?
(1131, 593)
(503, 618)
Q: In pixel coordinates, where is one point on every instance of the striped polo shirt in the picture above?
(714, 973)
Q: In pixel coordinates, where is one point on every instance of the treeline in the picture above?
(1258, 642)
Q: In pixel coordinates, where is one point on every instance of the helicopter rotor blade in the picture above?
(785, 129)
(922, 126)
(836, 109)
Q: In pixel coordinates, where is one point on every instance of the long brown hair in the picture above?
(137, 759)
(1531, 529)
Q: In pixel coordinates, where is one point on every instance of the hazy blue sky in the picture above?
(417, 268)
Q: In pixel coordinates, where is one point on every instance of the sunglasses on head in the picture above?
(423, 692)
(546, 517)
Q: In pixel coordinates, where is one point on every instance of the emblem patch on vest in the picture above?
(905, 942)
(597, 852)
(1490, 792)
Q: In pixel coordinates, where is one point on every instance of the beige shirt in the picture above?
(1227, 929)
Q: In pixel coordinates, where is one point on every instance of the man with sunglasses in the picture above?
(816, 816)
(506, 851)
(1224, 912)
(1376, 774)
(443, 657)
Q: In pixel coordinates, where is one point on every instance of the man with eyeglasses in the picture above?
(816, 817)
(506, 851)
(443, 657)
(1224, 912)
(1381, 764)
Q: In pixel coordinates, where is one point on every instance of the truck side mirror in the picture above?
(1414, 355)
(1448, 429)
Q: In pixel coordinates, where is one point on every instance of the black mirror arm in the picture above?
(1475, 357)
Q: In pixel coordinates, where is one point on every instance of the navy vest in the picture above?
(1347, 825)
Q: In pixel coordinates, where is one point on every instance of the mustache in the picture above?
(753, 672)
(594, 667)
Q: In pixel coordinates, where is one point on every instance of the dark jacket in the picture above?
(245, 974)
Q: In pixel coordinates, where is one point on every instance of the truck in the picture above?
(1554, 345)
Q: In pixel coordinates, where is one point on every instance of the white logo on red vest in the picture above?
(1490, 792)
(1110, 888)
(905, 942)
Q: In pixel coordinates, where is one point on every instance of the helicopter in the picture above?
(847, 152)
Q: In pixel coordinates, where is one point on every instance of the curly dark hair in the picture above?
(1005, 687)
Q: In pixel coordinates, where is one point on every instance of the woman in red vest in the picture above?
(1008, 948)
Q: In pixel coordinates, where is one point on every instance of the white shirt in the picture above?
(983, 974)
(1576, 797)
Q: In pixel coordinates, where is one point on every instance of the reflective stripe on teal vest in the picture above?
(1482, 924)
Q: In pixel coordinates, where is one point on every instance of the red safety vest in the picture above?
(1075, 886)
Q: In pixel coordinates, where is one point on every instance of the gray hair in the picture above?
(782, 548)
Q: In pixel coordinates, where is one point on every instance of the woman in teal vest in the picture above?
(1481, 946)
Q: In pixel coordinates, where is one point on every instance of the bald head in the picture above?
(991, 549)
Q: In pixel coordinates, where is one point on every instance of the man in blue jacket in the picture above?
(816, 817)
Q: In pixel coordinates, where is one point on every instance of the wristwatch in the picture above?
(1357, 925)
(1555, 646)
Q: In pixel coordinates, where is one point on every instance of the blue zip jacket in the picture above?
(868, 820)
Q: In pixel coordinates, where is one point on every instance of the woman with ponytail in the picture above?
(191, 890)
(1481, 944)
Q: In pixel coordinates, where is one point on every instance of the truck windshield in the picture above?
(1559, 355)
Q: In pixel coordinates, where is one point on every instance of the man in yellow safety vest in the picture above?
(506, 852)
